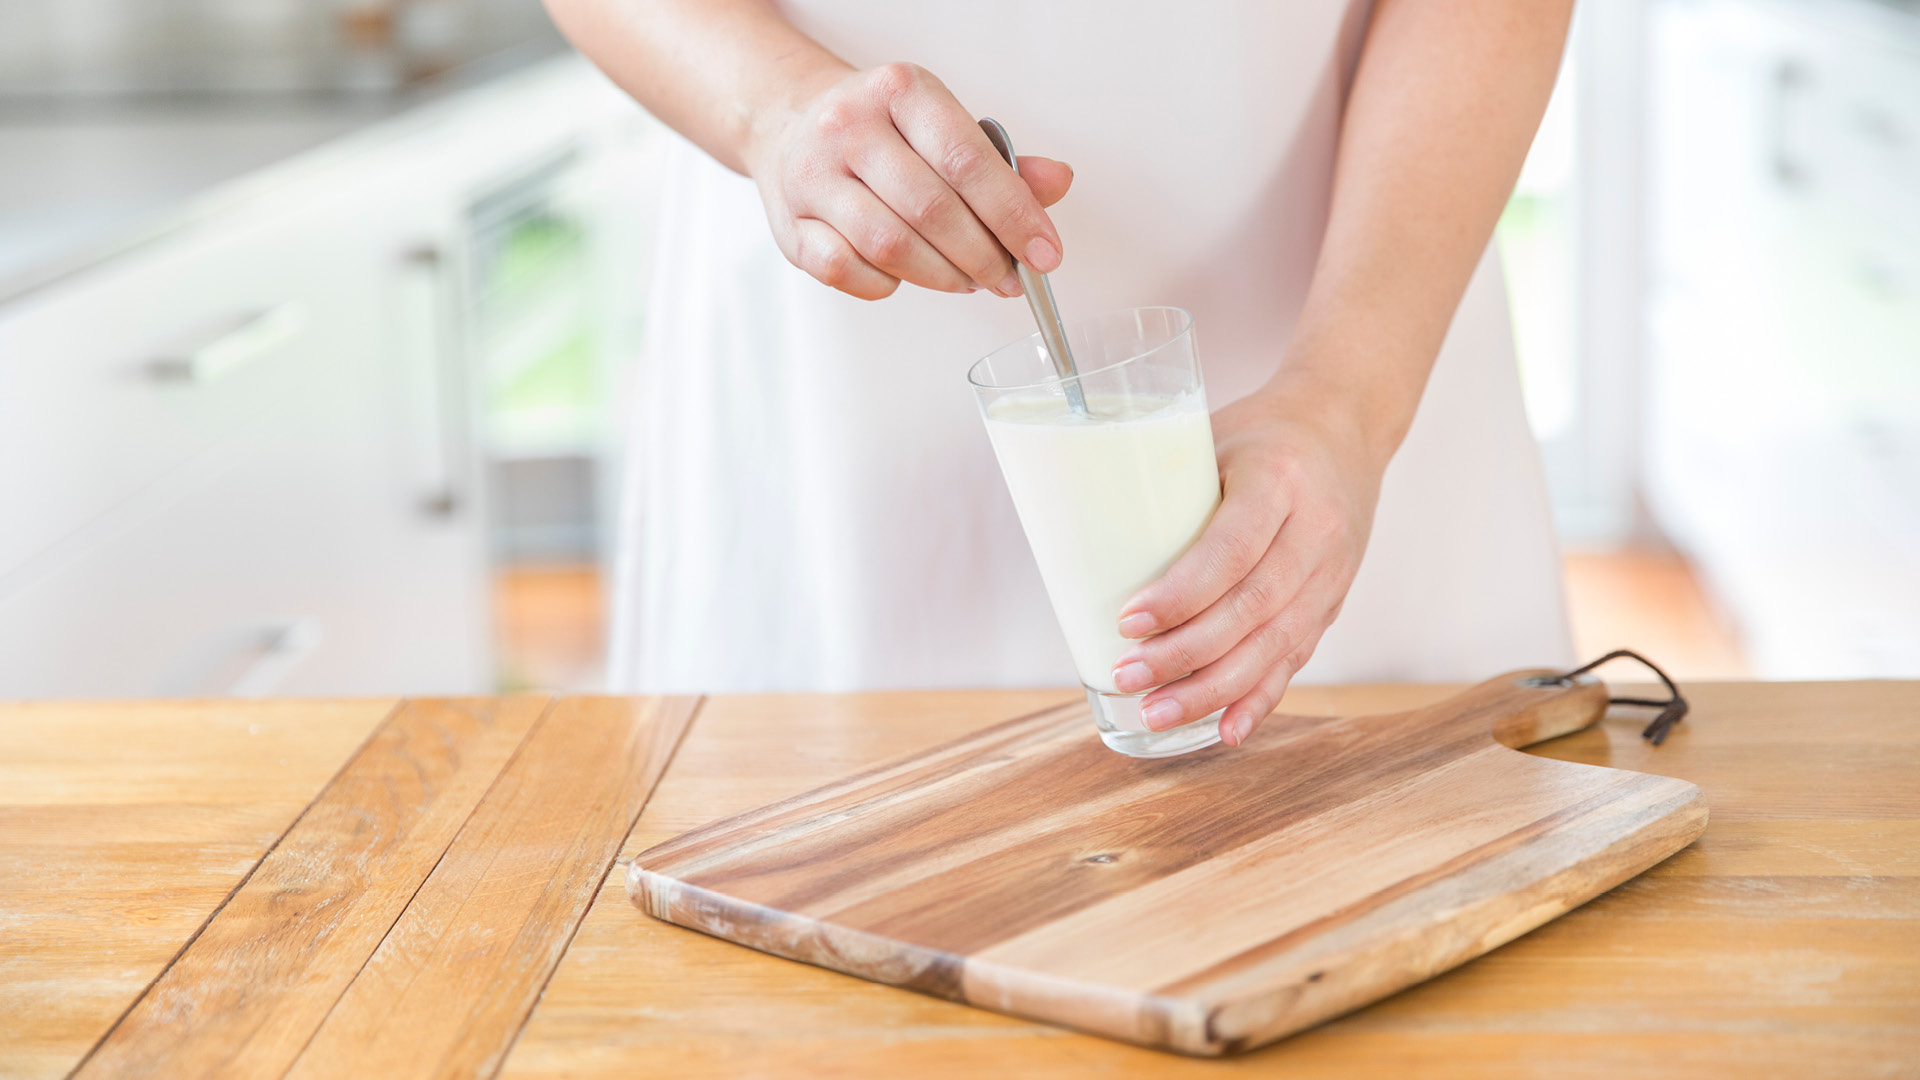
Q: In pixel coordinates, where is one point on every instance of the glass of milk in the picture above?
(1111, 498)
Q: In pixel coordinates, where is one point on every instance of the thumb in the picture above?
(1048, 179)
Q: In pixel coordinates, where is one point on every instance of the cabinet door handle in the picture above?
(232, 345)
(438, 391)
(1786, 86)
(282, 647)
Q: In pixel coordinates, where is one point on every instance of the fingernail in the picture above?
(1132, 677)
(1010, 287)
(1042, 255)
(1137, 625)
(1242, 727)
(1161, 714)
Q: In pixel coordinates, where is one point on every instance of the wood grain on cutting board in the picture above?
(1205, 903)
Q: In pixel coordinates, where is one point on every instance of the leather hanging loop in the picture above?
(1672, 710)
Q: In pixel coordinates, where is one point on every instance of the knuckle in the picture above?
(1259, 596)
(830, 265)
(1175, 657)
(931, 207)
(963, 163)
(1288, 666)
(836, 118)
(1213, 693)
(1258, 491)
(1290, 469)
(1273, 638)
(1022, 217)
(1286, 476)
(889, 246)
(991, 267)
(1298, 658)
(1321, 521)
(895, 78)
(1235, 554)
(946, 279)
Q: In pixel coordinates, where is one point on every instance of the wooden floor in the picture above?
(1651, 600)
(552, 620)
(551, 628)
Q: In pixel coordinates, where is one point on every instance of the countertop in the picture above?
(427, 887)
(75, 189)
(82, 181)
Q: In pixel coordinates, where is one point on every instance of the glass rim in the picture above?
(1052, 379)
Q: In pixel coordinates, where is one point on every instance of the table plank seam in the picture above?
(259, 861)
(673, 754)
(546, 712)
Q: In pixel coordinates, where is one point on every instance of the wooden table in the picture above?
(374, 888)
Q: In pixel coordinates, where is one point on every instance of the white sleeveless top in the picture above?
(812, 503)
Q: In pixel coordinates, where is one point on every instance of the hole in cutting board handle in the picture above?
(1672, 710)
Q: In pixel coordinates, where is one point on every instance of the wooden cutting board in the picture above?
(1207, 903)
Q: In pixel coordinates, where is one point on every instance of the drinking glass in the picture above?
(1111, 496)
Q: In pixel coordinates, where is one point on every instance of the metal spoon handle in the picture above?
(1040, 294)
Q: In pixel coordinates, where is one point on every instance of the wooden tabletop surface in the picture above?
(421, 888)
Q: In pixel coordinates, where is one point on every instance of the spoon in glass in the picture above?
(1053, 333)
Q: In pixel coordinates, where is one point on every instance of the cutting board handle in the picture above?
(1526, 707)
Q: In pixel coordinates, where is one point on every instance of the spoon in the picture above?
(1040, 294)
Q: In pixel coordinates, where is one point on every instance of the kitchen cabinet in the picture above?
(242, 456)
(211, 478)
(1783, 424)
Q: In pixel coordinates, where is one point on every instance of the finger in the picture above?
(888, 243)
(1266, 591)
(1234, 542)
(1226, 680)
(916, 194)
(1046, 178)
(824, 253)
(1234, 675)
(947, 137)
(1243, 716)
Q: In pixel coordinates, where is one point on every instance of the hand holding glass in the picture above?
(1108, 500)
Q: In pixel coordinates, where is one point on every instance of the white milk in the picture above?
(1108, 503)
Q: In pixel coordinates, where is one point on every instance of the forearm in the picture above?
(720, 72)
(1444, 104)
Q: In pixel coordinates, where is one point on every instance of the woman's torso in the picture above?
(814, 504)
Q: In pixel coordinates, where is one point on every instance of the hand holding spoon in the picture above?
(1053, 333)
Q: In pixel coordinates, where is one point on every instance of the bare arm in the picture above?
(869, 178)
(1443, 107)
(713, 70)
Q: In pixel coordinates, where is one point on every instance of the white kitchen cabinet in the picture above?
(118, 377)
(1783, 424)
(240, 457)
(266, 523)
(261, 567)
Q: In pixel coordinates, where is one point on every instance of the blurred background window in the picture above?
(1781, 442)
